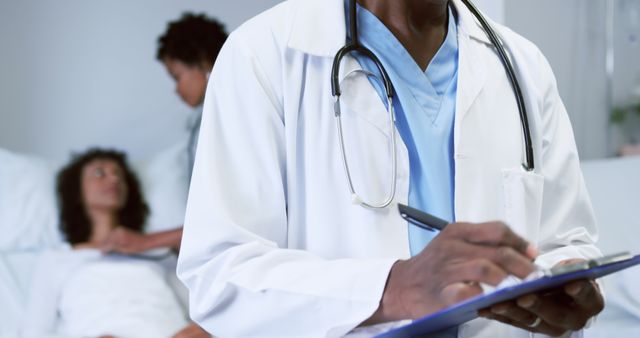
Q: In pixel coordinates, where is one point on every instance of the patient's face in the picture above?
(103, 185)
(191, 80)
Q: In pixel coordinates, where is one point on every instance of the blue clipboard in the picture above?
(468, 310)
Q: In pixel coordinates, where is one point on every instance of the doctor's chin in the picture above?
(320, 168)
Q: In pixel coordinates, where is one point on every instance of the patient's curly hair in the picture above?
(74, 221)
(192, 39)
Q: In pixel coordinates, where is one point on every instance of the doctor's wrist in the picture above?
(391, 307)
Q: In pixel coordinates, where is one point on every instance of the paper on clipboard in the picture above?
(468, 310)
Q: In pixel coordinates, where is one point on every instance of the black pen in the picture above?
(422, 219)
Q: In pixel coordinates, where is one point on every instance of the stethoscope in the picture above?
(354, 46)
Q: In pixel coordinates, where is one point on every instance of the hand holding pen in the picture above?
(451, 267)
(553, 313)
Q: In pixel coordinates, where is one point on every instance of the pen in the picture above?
(422, 219)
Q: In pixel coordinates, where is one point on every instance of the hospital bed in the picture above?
(28, 225)
(28, 218)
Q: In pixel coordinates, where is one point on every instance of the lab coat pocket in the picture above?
(523, 193)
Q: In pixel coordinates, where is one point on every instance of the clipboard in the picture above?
(468, 310)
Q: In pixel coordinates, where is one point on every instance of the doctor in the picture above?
(280, 242)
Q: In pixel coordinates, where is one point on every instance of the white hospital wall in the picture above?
(495, 9)
(75, 73)
(572, 34)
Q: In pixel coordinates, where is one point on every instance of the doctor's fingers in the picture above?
(513, 312)
(555, 312)
(586, 294)
(477, 270)
(510, 313)
(541, 327)
(491, 234)
(506, 258)
(455, 293)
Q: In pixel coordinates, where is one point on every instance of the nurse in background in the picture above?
(187, 49)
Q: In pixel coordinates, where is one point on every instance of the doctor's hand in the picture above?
(125, 241)
(449, 269)
(553, 312)
(192, 331)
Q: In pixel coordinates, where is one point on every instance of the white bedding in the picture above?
(85, 294)
(15, 272)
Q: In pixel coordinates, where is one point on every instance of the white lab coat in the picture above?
(273, 245)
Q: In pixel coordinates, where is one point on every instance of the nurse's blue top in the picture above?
(425, 105)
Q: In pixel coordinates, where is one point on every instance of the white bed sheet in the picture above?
(82, 293)
(16, 276)
(16, 269)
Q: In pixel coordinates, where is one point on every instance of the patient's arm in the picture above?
(129, 242)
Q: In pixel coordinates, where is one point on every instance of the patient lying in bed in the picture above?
(82, 291)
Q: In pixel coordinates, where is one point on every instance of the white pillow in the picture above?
(165, 184)
(28, 211)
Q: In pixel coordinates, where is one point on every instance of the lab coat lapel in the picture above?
(472, 76)
(472, 73)
(325, 20)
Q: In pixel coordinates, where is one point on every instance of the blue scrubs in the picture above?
(425, 106)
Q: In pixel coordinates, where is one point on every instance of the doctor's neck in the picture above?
(420, 25)
(415, 14)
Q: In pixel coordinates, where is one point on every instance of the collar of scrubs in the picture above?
(325, 21)
(428, 87)
(425, 105)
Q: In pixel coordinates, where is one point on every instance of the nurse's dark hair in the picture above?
(193, 39)
(74, 221)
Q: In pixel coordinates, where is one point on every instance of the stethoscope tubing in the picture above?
(353, 45)
(508, 66)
